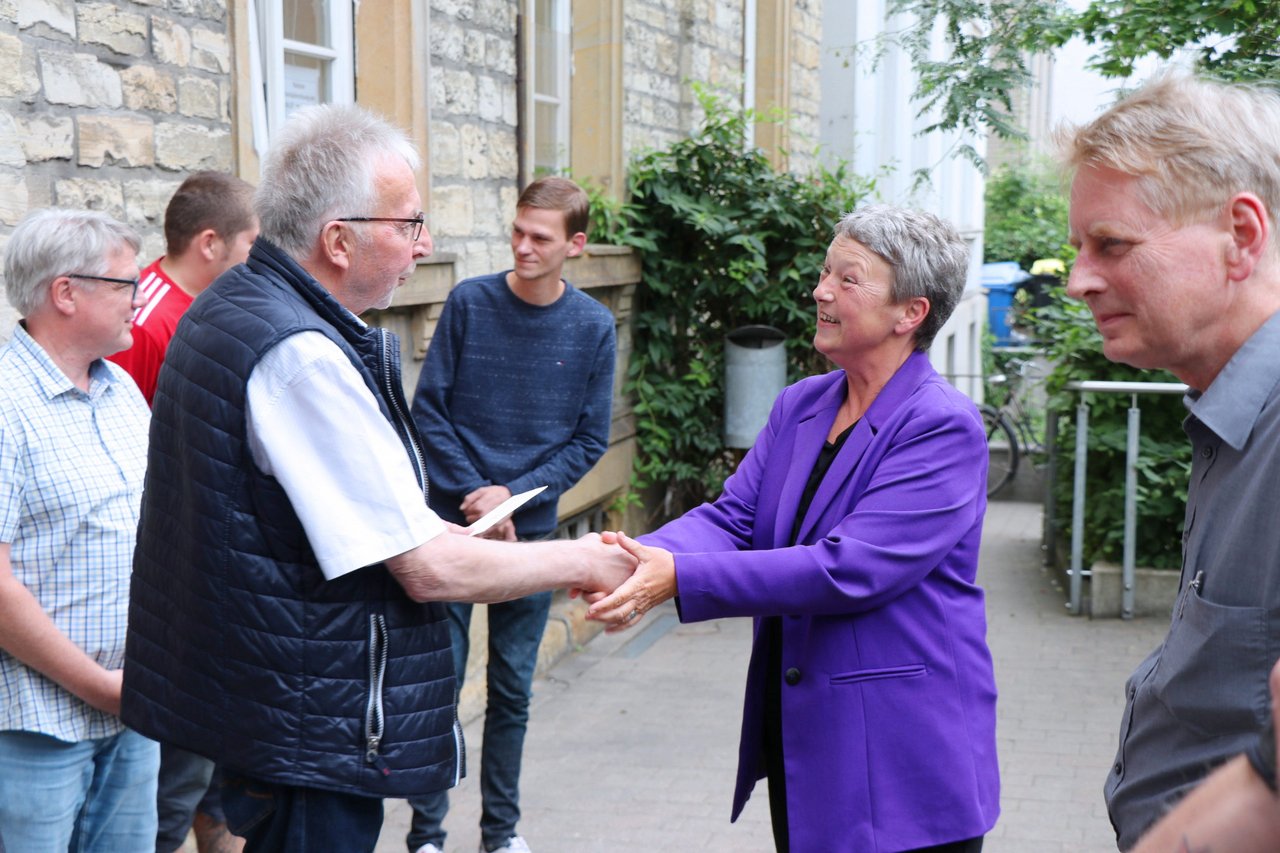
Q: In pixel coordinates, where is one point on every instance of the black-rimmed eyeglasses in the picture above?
(117, 283)
(417, 222)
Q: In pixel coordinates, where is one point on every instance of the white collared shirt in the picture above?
(314, 426)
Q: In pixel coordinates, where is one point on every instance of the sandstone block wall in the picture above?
(668, 44)
(109, 105)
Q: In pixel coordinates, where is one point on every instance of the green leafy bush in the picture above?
(727, 241)
(1074, 347)
(1026, 217)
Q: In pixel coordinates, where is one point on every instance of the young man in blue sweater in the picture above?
(516, 392)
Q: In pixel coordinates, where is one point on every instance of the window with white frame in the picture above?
(302, 54)
(549, 75)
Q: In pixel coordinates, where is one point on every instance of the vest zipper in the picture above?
(389, 344)
(395, 397)
(373, 719)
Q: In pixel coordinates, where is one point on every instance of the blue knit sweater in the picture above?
(514, 394)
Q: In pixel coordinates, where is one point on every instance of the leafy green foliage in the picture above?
(1236, 39)
(973, 88)
(607, 221)
(1074, 347)
(1026, 217)
(727, 241)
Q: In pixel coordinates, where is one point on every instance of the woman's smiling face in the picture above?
(856, 311)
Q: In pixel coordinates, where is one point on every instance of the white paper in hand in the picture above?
(502, 512)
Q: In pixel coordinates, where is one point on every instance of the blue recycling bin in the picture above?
(1001, 280)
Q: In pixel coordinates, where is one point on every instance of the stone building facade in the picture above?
(658, 50)
(109, 106)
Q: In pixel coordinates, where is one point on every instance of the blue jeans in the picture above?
(184, 781)
(94, 795)
(275, 818)
(515, 632)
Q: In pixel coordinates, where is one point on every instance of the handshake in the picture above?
(625, 579)
(633, 579)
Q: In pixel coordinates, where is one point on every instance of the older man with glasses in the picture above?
(285, 616)
(72, 455)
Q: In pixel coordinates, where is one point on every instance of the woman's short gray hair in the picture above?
(928, 256)
(54, 241)
(322, 165)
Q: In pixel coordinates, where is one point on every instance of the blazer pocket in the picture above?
(910, 671)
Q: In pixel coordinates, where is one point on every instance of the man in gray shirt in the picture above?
(1172, 209)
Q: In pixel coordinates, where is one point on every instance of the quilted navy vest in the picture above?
(238, 648)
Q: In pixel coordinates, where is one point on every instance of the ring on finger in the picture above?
(632, 615)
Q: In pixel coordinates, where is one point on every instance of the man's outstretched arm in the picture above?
(456, 567)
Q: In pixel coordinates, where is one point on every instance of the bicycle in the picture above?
(1010, 428)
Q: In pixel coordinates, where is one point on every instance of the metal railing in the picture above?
(1130, 482)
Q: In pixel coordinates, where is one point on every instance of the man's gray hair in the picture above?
(54, 241)
(321, 166)
(1192, 143)
(928, 256)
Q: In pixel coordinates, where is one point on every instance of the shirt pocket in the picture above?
(1212, 673)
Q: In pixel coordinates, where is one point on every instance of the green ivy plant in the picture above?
(727, 240)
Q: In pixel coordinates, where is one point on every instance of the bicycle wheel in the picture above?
(1002, 449)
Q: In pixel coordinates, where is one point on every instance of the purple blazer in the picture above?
(889, 699)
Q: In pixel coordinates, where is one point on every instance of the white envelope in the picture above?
(502, 512)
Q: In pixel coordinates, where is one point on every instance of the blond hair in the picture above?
(1191, 142)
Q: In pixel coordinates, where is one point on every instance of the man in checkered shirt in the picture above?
(73, 450)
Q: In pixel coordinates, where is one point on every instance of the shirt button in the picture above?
(792, 676)
(1119, 767)
(1206, 452)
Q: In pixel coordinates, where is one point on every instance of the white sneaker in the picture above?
(515, 844)
(429, 848)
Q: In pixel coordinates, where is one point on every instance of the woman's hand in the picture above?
(654, 582)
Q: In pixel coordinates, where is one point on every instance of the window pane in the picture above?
(548, 151)
(550, 47)
(307, 21)
(306, 81)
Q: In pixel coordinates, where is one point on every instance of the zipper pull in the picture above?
(371, 755)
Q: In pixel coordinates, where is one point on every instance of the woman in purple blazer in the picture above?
(850, 532)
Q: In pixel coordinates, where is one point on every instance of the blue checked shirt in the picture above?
(71, 468)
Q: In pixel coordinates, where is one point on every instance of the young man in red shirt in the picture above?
(209, 227)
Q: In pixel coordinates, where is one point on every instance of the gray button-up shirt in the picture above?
(1201, 697)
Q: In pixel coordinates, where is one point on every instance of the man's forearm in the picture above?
(455, 567)
(27, 633)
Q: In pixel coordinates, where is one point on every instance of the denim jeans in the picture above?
(515, 632)
(94, 795)
(184, 781)
(275, 818)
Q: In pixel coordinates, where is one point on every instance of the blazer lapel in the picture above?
(812, 426)
(900, 386)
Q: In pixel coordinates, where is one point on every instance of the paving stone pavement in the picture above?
(633, 738)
